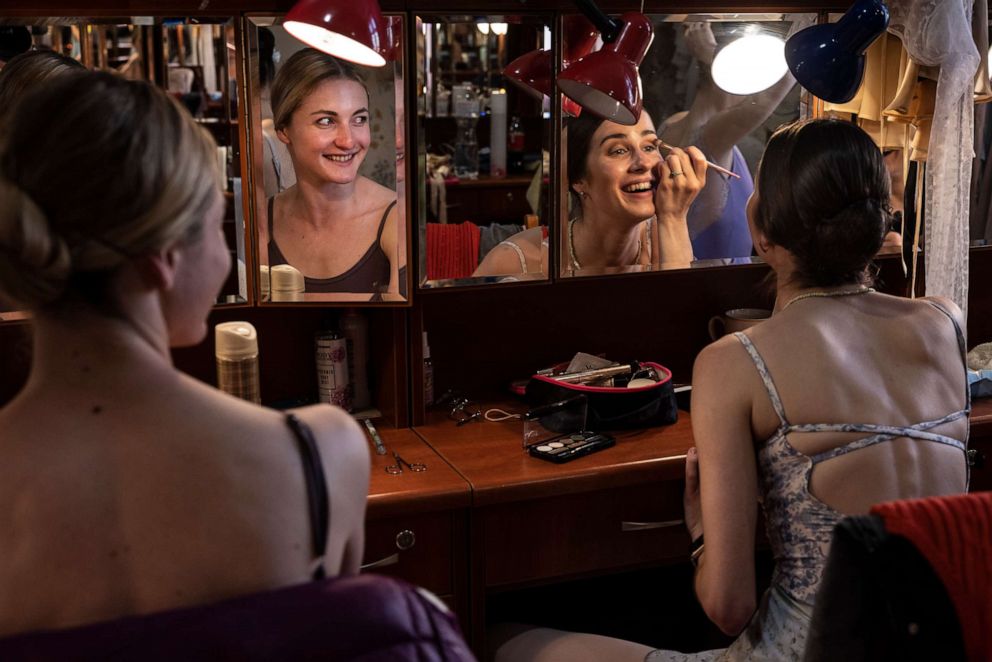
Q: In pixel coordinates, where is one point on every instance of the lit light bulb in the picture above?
(483, 28)
(498, 28)
(750, 64)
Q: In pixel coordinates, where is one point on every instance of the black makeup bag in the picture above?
(610, 407)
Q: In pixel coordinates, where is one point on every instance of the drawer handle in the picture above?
(405, 540)
(392, 559)
(647, 526)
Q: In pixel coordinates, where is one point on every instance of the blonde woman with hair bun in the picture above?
(336, 226)
(129, 487)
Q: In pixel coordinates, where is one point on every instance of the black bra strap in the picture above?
(317, 496)
(382, 221)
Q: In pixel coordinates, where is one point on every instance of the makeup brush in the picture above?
(662, 144)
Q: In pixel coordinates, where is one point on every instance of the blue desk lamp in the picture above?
(829, 60)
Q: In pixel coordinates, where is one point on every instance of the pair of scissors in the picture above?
(400, 462)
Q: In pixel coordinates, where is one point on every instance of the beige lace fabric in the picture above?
(932, 31)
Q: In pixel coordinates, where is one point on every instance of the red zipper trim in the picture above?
(611, 389)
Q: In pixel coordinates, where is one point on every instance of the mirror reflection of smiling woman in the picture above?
(334, 225)
(629, 203)
(630, 200)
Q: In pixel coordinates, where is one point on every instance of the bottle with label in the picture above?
(465, 105)
(332, 369)
(515, 148)
(497, 134)
(428, 373)
(466, 149)
(355, 329)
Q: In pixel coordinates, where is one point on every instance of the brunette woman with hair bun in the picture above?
(628, 204)
(816, 413)
(129, 487)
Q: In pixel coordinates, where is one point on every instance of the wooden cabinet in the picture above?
(415, 527)
(591, 532)
(422, 549)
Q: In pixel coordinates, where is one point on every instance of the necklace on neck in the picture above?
(571, 245)
(820, 293)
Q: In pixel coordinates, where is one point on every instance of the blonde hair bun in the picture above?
(34, 263)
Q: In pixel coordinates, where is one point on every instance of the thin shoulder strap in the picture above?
(382, 221)
(766, 376)
(520, 254)
(962, 347)
(317, 496)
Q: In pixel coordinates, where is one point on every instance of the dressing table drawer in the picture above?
(583, 533)
(417, 548)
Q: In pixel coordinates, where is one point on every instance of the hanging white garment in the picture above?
(931, 31)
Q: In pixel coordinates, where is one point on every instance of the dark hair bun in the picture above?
(823, 193)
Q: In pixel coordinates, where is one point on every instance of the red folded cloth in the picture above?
(452, 250)
(954, 533)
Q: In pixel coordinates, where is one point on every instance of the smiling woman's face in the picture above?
(329, 134)
(620, 177)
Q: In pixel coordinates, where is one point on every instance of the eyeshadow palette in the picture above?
(569, 447)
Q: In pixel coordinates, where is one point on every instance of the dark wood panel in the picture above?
(483, 339)
(287, 367)
(153, 8)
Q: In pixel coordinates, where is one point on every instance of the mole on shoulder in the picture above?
(96, 409)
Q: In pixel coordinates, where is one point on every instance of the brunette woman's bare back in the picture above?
(868, 358)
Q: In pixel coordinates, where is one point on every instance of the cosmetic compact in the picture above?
(567, 447)
(557, 432)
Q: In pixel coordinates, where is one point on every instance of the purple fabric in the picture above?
(361, 618)
(728, 235)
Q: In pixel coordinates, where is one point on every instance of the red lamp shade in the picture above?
(352, 30)
(392, 48)
(607, 82)
(531, 72)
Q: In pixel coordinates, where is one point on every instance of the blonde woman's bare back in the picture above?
(132, 488)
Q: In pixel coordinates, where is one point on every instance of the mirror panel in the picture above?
(328, 171)
(194, 59)
(611, 230)
(483, 144)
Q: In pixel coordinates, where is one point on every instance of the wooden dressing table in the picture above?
(486, 517)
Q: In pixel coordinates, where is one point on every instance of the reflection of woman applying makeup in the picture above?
(336, 226)
(629, 204)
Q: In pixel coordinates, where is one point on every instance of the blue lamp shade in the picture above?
(829, 60)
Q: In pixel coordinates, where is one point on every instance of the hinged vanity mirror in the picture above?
(484, 139)
(328, 170)
(194, 59)
(716, 81)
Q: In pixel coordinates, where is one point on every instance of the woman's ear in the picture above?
(158, 270)
(281, 134)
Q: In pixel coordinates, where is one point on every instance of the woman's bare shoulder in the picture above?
(335, 431)
(504, 259)
(377, 195)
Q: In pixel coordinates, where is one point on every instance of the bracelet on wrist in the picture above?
(696, 551)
